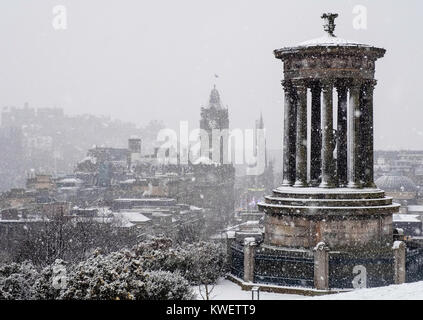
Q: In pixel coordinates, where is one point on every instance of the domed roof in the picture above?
(328, 40)
(396, 183)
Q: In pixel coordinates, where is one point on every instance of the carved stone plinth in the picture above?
(342, 218)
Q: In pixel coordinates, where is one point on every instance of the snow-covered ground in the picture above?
(407, 291)
(227, 290)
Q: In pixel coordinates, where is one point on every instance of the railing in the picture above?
(414, 265)
(344, 271)
(369, 272)
(283, 270)
(237, 260)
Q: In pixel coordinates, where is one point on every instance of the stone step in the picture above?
(328, 202)
(328, 193)
(328, 211)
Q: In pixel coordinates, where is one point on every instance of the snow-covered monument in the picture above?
(327, 226)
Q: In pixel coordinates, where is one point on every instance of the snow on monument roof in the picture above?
(328, 40)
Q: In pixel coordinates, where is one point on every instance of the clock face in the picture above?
(212, 124)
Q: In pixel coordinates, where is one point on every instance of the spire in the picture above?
(261, 123)
(214, 100)
(260, 126)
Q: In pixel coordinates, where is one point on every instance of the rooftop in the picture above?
(406, 218)
(132, 216)
(396, 183)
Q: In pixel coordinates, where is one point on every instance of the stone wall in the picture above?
(306, 232)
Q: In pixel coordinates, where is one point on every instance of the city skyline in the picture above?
(125, 61)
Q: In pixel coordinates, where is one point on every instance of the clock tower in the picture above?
(215, 118)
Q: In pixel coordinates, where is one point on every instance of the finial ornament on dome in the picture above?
(329, 25)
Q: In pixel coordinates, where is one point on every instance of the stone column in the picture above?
(301, 138)
(289, 135)
(399, 262)
(293, 140)
(321, 266)
(367, 129)
(354, 115)
(328, 143)
(342, 142)
(249, 255)
(316, 138)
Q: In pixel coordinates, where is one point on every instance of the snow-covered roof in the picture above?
(396, 183)
(132, 216)
(144, 199)
(68, 189)
(96, 219)
(230, 234)
(416, 208)
(204, 160)
(418, 171)
(406, 218)
(160, 214)
(70, 180)
(251, 222)
(127, 224)
(93, 160)
(128, 181)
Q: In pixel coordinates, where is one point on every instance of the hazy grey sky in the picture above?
(140, 60)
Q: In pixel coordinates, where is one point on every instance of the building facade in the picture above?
(215, 123)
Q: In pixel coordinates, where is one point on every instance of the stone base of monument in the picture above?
(341, 218)
(323, 239)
